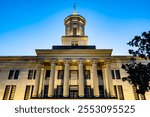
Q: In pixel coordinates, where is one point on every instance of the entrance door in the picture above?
(73, 92)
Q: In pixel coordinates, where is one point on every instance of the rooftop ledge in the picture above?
(73, 47)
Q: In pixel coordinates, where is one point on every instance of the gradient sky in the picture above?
(26, 25)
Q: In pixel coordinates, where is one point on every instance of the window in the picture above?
(87, 91)
(119, 92)
(74, 43)
(47, 75)
(142, 97)
(115, 74)
(101, 91)
(73, 74)
(12, 93)
(99, 73)
(73, 92)
(136, 96)
(112, 73)
(28, 92)
(87, 74)
(31, 74)
(59, 91)
(46, 91)
(13, 74)
(60, 74)
(74, 31)
(115, 91)
(9, 92)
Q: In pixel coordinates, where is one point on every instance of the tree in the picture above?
(138, 73)
(142, 43)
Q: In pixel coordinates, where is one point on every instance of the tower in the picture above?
(74, 30)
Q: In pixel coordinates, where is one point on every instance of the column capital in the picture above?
(40, 61)
(53, 60)
(107, 61)
(67, 61)
(80, 61)
(94, 60)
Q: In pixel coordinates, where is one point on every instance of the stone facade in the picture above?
(73, 70)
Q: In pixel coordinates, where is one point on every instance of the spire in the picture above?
(74, 7)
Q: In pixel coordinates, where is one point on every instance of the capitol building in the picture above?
(73, 70)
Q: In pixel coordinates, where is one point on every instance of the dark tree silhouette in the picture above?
(138, 73)
(142, 44)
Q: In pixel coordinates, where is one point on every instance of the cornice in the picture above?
(73, 51)
(25, 58)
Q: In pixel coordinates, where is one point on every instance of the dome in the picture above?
(74, 25)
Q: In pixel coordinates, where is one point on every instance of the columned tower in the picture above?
(74, 30)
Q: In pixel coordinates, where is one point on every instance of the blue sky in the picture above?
(26, 25)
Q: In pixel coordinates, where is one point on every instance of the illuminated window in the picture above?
(28, 92)
(143, 97)
(73, 74)
(119, 92)
(74, 43)
(74, 31)
(136, 96)
(9, 92)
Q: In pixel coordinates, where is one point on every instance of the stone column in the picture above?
(51, 80)
(110, 81)
(109, 89)
(40, 89)
(37, 80)
(95, 78)
(81, 78)
(105, 80)
(66, 79)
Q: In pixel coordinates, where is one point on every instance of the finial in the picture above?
(74, 9)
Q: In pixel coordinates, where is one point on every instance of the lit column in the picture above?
(108, 83)
(81, 79)
(51, 80)
(40, 89)
(66, 79)
(37, 80)
(95, 79)
(105, 80)
(109, 80)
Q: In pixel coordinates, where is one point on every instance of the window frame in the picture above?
(31, 76)
(88, 74)
(47, 74)
(60, 76)
(76, 75)
(13, 74)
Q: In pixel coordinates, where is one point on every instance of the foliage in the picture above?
(142, 43)
(138, 73)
